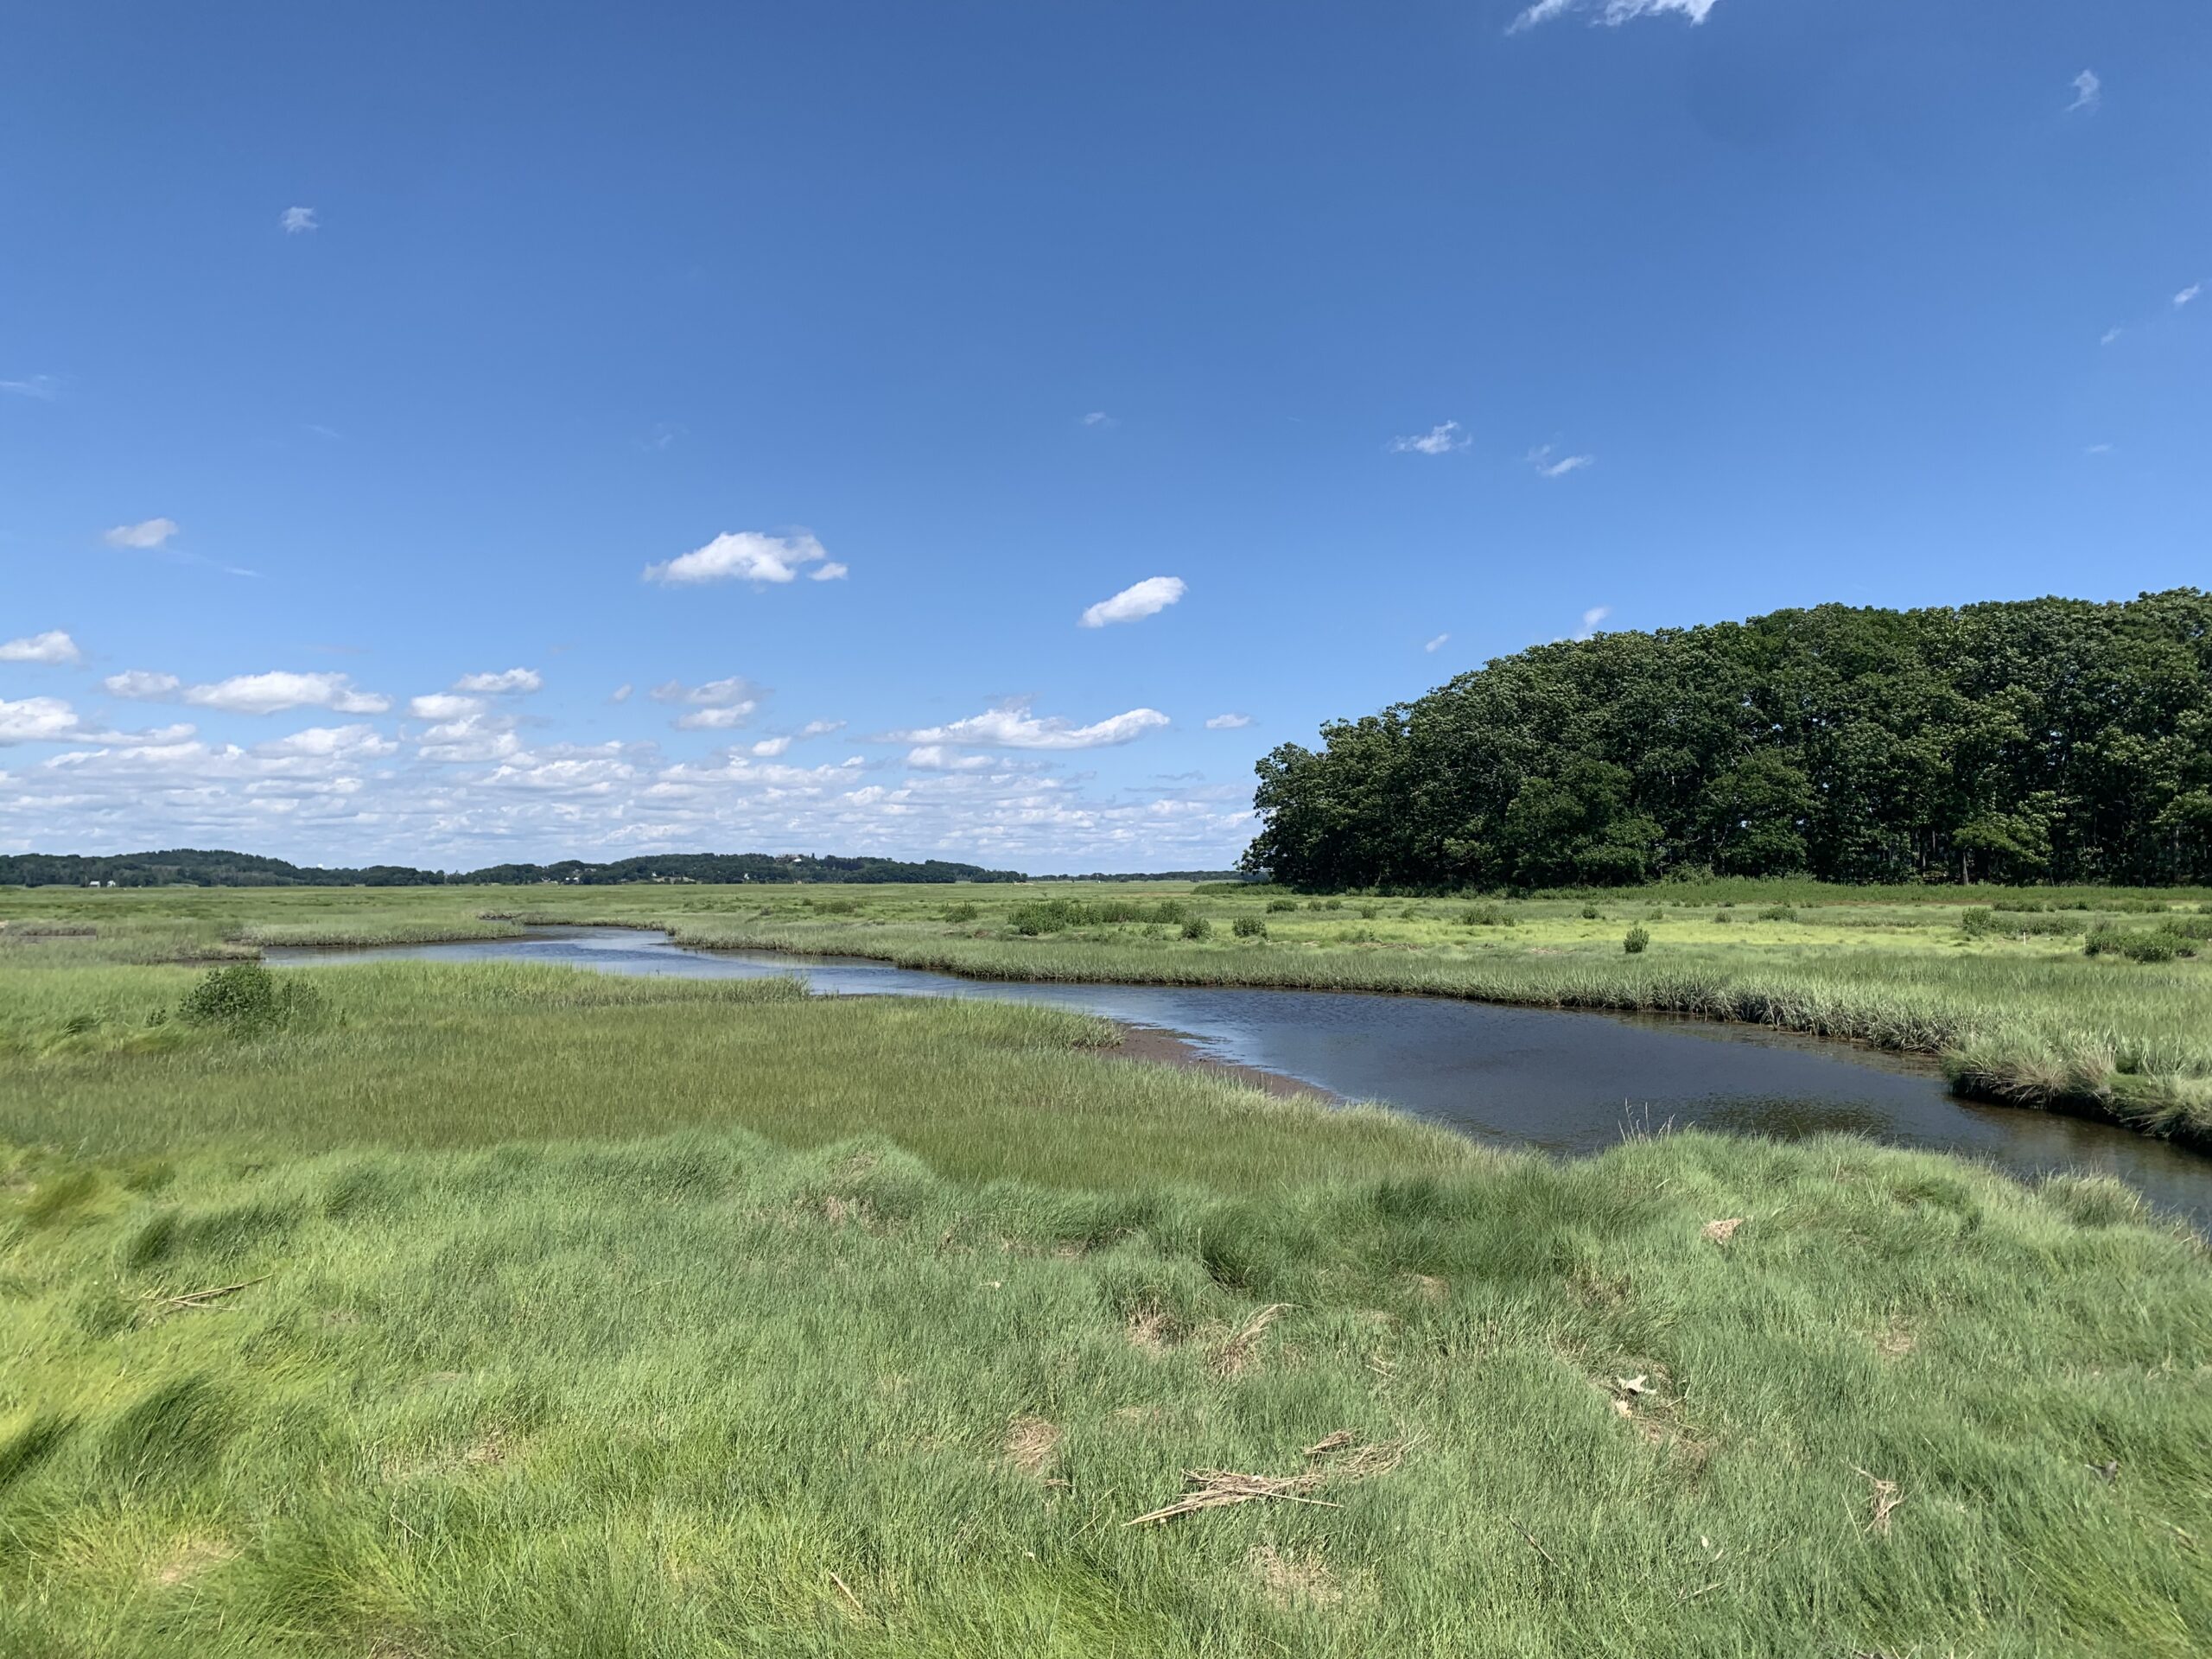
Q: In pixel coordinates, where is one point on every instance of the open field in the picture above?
(463, 1311)
(1994, 981)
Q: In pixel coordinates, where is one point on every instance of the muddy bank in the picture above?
(1160, 1047)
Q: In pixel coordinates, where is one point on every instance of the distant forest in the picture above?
(191, 868)
(2044, 740)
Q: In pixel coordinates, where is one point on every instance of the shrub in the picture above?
(1250, 927)
(1046, 916)
(1274, 905)
(1592, 914)
(1723, 916)
(247, 997)
(1198, 928)
(1484, 916)
(1635, 938)
(1977, 921)
(1333, 904)
(1778, 913)
(960, 912)
(2159, 944)
(1369, 912)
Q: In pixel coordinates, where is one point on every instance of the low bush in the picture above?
(1274, 905)
(1635, 939)
(1485, 916)
(960, 912)
(1249, 927)
(1198, 928)
(245, 997)
(1592, 914)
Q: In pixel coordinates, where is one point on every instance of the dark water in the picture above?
(1567, 1082)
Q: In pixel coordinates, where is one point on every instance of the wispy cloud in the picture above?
(444, 705)
(1612, 13)
(1228, 722)
(507, 682)
(44, 387)
(141, 685)
(2187, 294)
(1099, 417)
(749, 555)
(820, 728)
(1437, 643)
(1541, 458)
(769, 748)
(717, 706)
(148, 533)
(1135, 602)
(2110, 335)
(2088, 92)
(1591, 619)
(53, 648)
(296, 220)
(1011, 726)
(2098, 449)
(621, 693)
(935, 757)
(1437, 440)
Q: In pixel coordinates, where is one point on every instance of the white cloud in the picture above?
(1612, 13)
(1099, 417)
(473, 739)
(273, 693)
(143, 686)
(820, 728)
(44, 387)
(732, 693)
(1228, 722)
(832, 571)
(720, 719)
(444, 705)
(1437, 440)
(620, 694)
(1541, 458)
(151, 532)
(1437, 644)
(296, 220)
(37, 720)
(54, 648)
(747, 555)
(935, 757)
(768, 747)
(1133, 603)
(2088, 92)
(2098, 449)
(1591, 617)
(2110, 335)
(2187, 294)
(365, 742)
(507, 683)
(1011, 726)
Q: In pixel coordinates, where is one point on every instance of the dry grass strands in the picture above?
(1886, 1499)
(202, 1297)
(1219, 1488)
(1290, 1579)
(1237, 1355)
(1720, 1232)
(1032, 1443)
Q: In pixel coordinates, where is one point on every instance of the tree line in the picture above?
(191, 867)
(2042, 740)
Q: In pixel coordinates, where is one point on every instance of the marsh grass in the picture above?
(525, 1311)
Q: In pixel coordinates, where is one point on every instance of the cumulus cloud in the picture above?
(1591, 617)
(2088, 92)
(716, 706)
(820, 728)
(748, 556)
(1011, 726)
(274, 692)
(296, 220)
(1612, 13)
(1228, 722)
(143, 686)
(148, 533)
(1134, 603)
(37, 720)
(1541, 458)
(1437, 643)
(714, 719)
(1437, 440)
(321, 742)
(2187, 294)
(53, 647)
(507, 683)
(444, 705)
(832, 571)
(768, 747)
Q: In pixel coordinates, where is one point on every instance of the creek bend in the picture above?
(1565, 1082)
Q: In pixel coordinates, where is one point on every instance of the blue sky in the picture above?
(382, 389)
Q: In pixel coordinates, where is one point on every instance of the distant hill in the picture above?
(191, 867)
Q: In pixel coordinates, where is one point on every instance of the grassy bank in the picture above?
(1997, 983)
(487, 1311)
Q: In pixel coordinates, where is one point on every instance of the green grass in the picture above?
(1994, 982)
(573, 1316)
